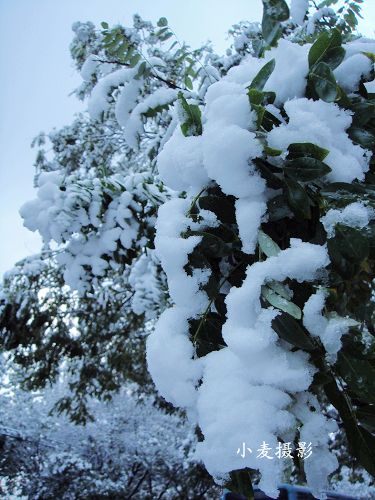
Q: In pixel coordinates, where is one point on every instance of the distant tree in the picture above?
(132, 450)
(226, 206)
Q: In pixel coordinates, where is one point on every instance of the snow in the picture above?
(143, 278)
(328, 330)
(316, 429)
(354, 215)
(317, 16)
(298, 10)
(370, 87)
(324, 124)
(351, 70)
(254, 364)
(288, 79)
(132, 123)
(180, 163)
(89, 67)
(100, 97)
(226, 154)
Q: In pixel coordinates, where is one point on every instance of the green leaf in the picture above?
(293, 332)
(260, 111)
(278, 208)
(134, 60)
(281, 303)
(240, 482)
(274, 12)
(347, 250)
(361, 442)
(271, 29)
(297, 198)
(277, 9)
(306, 169)
(273, 181)
(281, 289)
(362, 137)
(255, 96)
(325, 42)
(207, 334)
(370, 55)
(366, 415)
(359, 375)
(162, 22)
(261, 78)
(350, 242)
(193, 122)
(267, 245)
(324, 82)
(272, 151)
(104, 25)
(334, 57)
(142, 69)
(221, 206)
(298, 149)
(188, 83)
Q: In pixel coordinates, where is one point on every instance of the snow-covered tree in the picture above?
(133, 450)
(225, 206)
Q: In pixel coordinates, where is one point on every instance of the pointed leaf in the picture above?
(306, 169)
(293, 332)
(324, 82)
(299, 149)
(281, 303)
(261, 78)
(325, 42)
(267, 245)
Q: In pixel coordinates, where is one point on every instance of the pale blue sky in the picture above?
(37, 77)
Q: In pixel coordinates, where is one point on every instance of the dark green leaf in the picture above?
(359, 375)
(298, 149)
(278, 208)
(221, 206)
(293, 332)
(162, 22)
(207, 334)
(324, 82)
(273, 181)
(334, 57)
(366, 415)
(325, 42)
(271, 29)
(104, 25)
(298, 200)
(362, 137)
(240, 482)
(350, 242)
(277, 9)
(306, 169)
(361, 442)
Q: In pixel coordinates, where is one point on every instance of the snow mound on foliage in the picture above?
(325, 124)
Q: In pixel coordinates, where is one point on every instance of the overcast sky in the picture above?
(37, 77)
